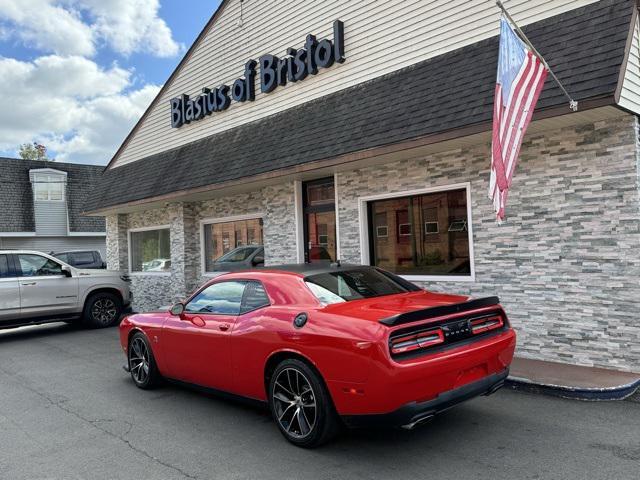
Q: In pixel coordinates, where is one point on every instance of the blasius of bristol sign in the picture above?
(273, 72)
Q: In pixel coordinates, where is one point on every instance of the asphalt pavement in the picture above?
(69, 411)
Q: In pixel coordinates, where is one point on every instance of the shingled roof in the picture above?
(449, 92)
(16, 196)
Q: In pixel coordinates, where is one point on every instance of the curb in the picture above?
(623, 392)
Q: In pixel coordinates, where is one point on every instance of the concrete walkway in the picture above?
(572, 381)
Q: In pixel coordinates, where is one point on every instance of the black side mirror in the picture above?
(66, 271)
(177, 309)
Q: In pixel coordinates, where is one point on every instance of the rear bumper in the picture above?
(413, 413)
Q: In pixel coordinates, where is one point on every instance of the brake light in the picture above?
(485, 324)
(415, 341)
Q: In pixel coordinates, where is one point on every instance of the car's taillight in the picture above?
(485, 324)
(415, 341)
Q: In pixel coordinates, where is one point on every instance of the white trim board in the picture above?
(363, 221)
(86, 234)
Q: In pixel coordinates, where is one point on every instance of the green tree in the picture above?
(33, 151)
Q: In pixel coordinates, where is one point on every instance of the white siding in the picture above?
(380, 37)
(630, 92)
(50, 217)
(55, 244)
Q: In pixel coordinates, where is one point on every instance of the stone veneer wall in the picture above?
(277, 206)
(117, 245)
(153, 290)
(566, 264)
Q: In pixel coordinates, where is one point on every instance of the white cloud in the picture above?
(48, 27)
(79, 110)
(132, 25)
(76, 27)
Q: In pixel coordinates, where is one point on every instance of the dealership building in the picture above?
(361, 131)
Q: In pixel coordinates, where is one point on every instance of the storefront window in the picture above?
(422, 234)
(222, 237)
(150, 251)
(319, 220)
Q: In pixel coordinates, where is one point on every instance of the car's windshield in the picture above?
(342, 286)
(239, 254)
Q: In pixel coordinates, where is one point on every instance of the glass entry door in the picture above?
(319, 208)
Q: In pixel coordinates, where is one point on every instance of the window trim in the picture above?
(363, 220)
(130, 250)
(386, 229)
(437, 224)
(213, 220)
(48, 173)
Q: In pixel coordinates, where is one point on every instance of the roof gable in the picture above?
(380, 37)
(450, 92)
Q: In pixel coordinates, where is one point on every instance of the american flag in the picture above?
(521, 76)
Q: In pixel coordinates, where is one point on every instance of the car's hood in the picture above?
(377, 308)
(90, 272)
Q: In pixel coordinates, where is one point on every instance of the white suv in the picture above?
(38, 288)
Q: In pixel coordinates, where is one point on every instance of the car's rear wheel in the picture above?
(301, 405)
(102, 310)
(142, 364)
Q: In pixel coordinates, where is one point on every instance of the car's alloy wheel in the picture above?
(301, 405)
(139, 360)
(142, 364)
(104, 311)
(101, 310)
(295, 403)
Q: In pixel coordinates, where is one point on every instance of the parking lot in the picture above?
(69, 411)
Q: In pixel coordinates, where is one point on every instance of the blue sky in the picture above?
(77, 74)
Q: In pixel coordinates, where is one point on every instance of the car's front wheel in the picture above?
(301, 405)
(142, 364)
(102, 310)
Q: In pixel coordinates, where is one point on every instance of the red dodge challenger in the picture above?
(326, 345)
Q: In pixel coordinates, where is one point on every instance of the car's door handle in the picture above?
(29, 283)
(224, 327)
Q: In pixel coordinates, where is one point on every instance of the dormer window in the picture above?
(48, 187)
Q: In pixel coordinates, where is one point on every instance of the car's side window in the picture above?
(4, 267)
(64, 257)
(36, 266)
(259, 258)
(254, 297)
(222, 298)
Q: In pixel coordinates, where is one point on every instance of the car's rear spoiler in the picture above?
(439, 311)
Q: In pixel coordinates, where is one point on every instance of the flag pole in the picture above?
(573, 104)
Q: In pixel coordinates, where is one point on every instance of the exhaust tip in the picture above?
(495, 388)
(414, 424)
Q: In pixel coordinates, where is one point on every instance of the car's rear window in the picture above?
(343, 286)
(83, 258)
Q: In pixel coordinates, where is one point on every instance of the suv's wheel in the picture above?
(102, 310)
(142, 364)
(301, 405)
